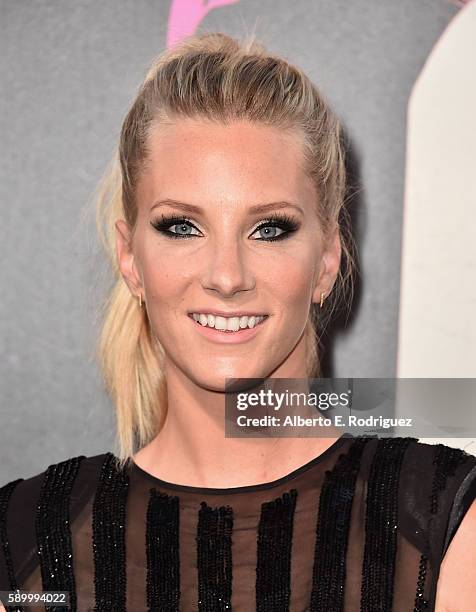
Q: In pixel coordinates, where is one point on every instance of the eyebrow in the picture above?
(256, 209)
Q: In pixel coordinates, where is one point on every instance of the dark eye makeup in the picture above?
(280, 221)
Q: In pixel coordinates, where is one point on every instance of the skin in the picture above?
(225, 170)
(457, 580)
(455, 592)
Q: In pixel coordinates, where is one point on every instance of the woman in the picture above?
(225, 209)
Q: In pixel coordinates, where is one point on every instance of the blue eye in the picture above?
(270, 227)
(184, 227)
(181, 223)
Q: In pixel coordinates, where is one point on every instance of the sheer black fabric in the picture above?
(363, 526)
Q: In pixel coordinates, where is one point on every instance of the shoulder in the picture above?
(448, 470)
(419, 448)
(416, 459)
(72, 475)
(458, 570)
(24, 504)
(435, 488)
(440, 478)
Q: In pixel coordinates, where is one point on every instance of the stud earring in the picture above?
(322, 300)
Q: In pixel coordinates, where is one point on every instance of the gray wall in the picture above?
(69, 70)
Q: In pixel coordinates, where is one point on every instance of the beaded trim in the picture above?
(273, 569)
(381, 524)
(162, 546)
(53, 530)
(109, 541)
(5, 494)
(332, 530)
(214, 558)
(446, 461)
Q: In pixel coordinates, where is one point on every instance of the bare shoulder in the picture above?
(456, 584)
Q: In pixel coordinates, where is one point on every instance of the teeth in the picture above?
(226, 323)
(220, 322)
(233, 324)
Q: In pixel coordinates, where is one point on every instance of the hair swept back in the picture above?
(216, 77)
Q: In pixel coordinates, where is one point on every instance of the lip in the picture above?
(215, 335)
(222, 313)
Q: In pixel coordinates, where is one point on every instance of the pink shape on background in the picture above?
(185, 16)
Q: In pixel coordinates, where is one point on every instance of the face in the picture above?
(200, 245)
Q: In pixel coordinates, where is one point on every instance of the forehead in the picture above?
(240, 162)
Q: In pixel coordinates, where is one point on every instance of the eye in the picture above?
(277, 227)
(269, 228)
(269, 232)
(182, 224)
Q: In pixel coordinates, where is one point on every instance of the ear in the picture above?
(125, 257)
(328, 266)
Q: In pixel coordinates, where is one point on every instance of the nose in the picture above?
(227, 269)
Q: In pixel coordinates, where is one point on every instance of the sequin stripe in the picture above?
(273, 569)
(5, 495)
(332, 530)
(446, 461)
(214, 558)
(53, 531)
(378, 567)
(162, 547)
(109, 539)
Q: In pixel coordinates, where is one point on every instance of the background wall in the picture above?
(69, 71)
(437, 329)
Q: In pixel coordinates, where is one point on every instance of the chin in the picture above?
(214, 380)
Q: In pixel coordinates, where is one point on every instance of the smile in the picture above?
(227, 324)
(227, 330)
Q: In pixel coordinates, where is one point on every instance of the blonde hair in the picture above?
(215, 77)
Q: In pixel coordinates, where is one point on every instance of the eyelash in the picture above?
(281, 221)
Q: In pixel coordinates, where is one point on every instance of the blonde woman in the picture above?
(224, 217)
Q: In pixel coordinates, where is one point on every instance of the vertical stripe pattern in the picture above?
(446, 461)
(214, 558)
(162, 546)
(332, 530)
(53, 530)
(5, 494)
(378, 568)
(273, 569)
(109, 540)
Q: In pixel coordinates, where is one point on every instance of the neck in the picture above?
(192, 449)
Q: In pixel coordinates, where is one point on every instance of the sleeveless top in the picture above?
(363, 526)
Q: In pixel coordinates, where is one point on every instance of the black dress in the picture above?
(363, 526)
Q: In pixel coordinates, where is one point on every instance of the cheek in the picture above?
(286, 276)
(163, 276)
(290, 278)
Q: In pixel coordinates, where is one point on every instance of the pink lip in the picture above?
(227, 337)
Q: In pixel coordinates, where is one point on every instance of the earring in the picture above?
(140, 300)
(322, 300)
